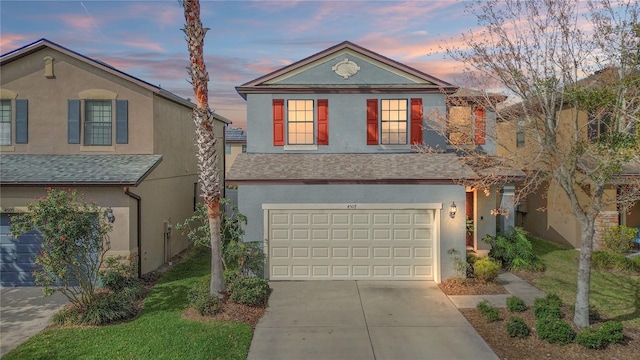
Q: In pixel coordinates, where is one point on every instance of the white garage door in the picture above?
(320, 244)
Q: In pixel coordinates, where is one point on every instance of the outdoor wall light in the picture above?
(109, 216)
(453, 210)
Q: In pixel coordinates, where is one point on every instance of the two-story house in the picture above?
(70, 121)
(331, 183)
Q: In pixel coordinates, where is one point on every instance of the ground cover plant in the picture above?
(614, 296)
(160, 331)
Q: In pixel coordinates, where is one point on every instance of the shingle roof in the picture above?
(28, 169)
(408, 167)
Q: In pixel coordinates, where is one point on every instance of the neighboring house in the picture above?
(235, 142)
(547, 213)
(331, 183)
(69, 121)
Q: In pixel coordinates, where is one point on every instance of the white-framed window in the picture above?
(5, 122)
(394, 117)
(97, 123)
(300, 122)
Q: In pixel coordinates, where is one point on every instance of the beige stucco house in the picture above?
(547, 212)
(69, 121)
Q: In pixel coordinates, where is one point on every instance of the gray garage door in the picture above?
(17, 255)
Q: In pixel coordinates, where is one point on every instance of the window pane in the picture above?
(394, 116)
(459, 125)
(5, 122)
(97, 122)
(300, 122)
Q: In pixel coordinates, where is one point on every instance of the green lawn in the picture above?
(159, 332)
(613, 295)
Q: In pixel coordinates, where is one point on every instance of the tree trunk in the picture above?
(206, 139)
(581, 315)
(216, 285)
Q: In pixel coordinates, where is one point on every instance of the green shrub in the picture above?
(611, 331)
(486, 270)
(555, 331)
(489, 311)
(549, 306)
(249, 291)
(619, 239)
(514, 250)
(609, 261)
(516, 327)
(590, 338)
(244, 257)
(118, 276)
(515, 304)
(461, 266)
(201, 299)
(105, 308)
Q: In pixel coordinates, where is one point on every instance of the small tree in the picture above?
(74, 243)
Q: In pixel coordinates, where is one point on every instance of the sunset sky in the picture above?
(247, 38)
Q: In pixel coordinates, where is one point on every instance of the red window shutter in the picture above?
(480, 126)
(278, 122)
(323, 122)
(372, 121)
(416, 121)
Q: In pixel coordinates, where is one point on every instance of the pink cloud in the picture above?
(81, 23)
(9, 42)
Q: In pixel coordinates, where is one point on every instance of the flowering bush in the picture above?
(74, 243)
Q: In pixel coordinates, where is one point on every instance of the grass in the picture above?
(159, 332)
(613, 295)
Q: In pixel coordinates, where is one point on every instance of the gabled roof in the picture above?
(348, 168)
(263, 84)
(44, 43)
(71, 170)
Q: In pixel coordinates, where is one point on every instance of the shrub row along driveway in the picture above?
(364, 320)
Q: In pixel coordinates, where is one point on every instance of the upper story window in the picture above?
(300, 122)
(92, 121)
(520, 133)
(394, 122)
(227, 148)
(5, 122)
(14, 119)
(466, 125)
(97, 123)
(599, 126)
(305, 122)
(244, 148)
(393, 118)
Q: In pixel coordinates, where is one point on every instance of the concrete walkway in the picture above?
(364, 320)
(24, 312)
(513, 284)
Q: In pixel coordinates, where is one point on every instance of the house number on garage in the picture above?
(351, 206)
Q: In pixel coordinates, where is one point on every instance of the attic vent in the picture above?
(48, 67)
(346, 68)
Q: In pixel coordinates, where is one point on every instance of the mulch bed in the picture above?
(507, 348)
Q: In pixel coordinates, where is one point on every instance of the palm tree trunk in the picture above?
(206, 139)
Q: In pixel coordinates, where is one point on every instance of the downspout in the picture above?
(139, 227)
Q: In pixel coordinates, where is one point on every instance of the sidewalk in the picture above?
(513, 284)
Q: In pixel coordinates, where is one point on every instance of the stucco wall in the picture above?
(452, 234)
(347, 121)
(48, 104)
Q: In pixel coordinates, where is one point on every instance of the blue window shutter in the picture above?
(122, 122)
(73, 122)
(22, 121)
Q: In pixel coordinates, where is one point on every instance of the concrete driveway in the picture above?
(364, 320)
(24, 312)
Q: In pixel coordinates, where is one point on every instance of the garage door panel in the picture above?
(351, 244)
